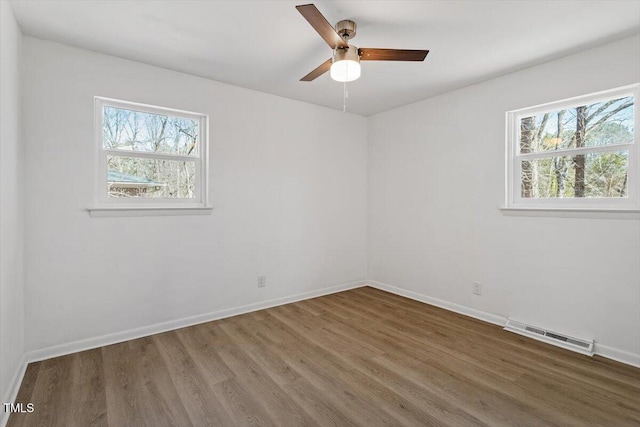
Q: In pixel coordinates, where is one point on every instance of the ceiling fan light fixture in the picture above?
(346, 64)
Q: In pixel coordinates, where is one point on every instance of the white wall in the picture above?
(11, 212)
(436, 183)
(289, 202)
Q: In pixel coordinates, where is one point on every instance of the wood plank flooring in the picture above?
(357, 358)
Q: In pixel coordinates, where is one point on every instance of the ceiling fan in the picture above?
(345, 63)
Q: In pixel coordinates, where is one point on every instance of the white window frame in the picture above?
(103, 203)
(513, 197)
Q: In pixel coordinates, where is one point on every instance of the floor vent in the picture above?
(561, 340)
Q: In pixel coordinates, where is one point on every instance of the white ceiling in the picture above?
(268, 46)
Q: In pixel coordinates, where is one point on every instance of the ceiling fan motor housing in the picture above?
(346, 54)
(346, 29)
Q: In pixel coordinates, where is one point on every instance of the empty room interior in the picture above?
(345, 213)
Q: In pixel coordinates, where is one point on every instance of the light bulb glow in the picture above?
(345, 70)
(346, 64)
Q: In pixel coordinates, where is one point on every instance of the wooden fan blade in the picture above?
(323, 68)
(372, 54)
(321, 25)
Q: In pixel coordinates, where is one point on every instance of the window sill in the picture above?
(121, 211)
(603, 213)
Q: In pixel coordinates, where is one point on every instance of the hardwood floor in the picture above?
(358, 358)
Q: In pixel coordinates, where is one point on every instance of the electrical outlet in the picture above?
(477, 288)
(262, 281)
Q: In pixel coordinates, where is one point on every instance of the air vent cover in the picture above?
(555, 338)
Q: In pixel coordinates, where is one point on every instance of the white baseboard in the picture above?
(91, 343)
(457, 308)
(14, 387)
(617, 355)
(599, 349)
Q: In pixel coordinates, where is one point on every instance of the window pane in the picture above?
(598, 124)
(130, 130)
(150, 178)
(588, 175)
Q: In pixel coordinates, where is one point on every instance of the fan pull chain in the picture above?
(345, 95)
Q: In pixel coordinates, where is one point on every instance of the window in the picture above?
(149, 157)
(579, 153)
